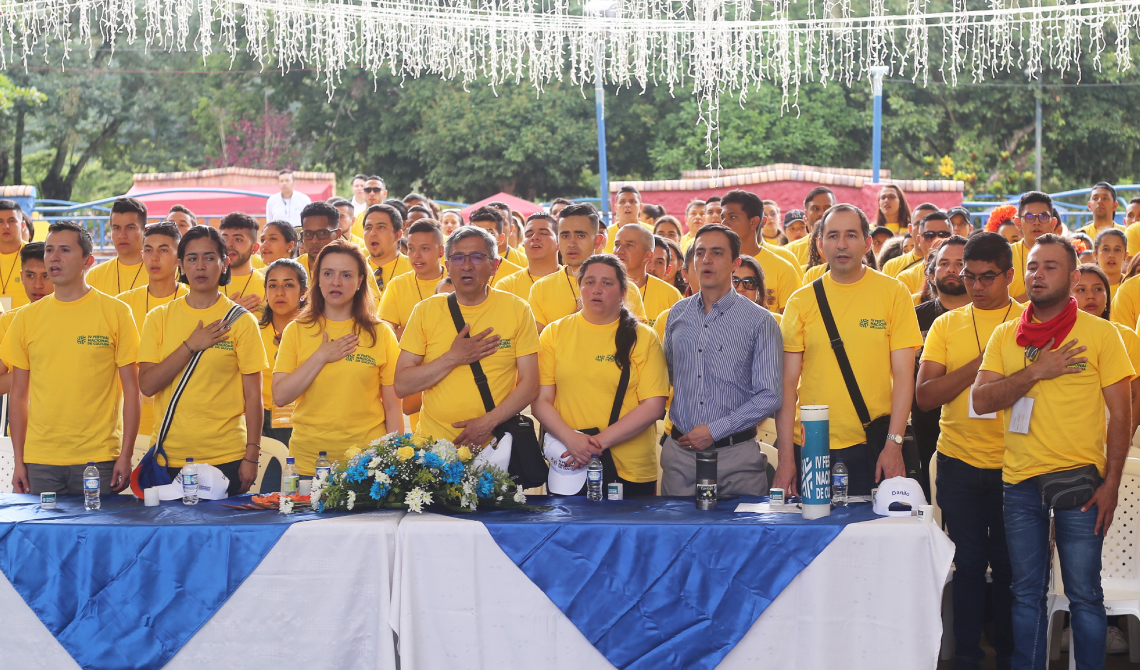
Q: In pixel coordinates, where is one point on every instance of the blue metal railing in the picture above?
(1074, 215)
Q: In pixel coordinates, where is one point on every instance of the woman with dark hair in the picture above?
(279, 239)
(1111, 248)
(748, 280)
(1092, 293)
(579, 382)
(285, 285)
(894, 212)
(337, 361)
(450, 220)
(219, 414)
(669, 228)
(676, 259)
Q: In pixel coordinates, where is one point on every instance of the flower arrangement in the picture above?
(999, 215)
(395, 472)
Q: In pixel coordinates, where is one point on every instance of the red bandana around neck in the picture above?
(1036, 335)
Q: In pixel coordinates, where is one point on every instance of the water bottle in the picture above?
(594, 479)
(290, 480)
(839, 484)
(324, 467)
(91, 483)
(190, 482)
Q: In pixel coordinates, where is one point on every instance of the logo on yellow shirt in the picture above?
(605, 359)
(227, 346)
(505, 343)
(360, 358)
(94, 340)
(873, 324)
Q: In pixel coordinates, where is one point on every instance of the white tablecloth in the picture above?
(870, 600)
(319, 599)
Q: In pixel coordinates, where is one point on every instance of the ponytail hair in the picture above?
(626, 338)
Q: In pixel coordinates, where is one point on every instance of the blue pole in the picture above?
(600, 112)
(877, 73)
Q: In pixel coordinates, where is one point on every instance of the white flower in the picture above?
(351, 499)
(519, 496)
(383, 477)
(286, 505)
(506, 488)
(416, 499)
(468, 487)
(375, 463)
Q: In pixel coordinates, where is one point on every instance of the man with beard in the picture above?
(930, 232)
(951, 295)
(247, 285)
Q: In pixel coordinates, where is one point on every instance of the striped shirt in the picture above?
(725, 366)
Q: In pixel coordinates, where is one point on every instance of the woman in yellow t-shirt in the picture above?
(578, 381)
(1092, 294)
(218, 419)
(337, 361)
(278, 240)
(285, 285)
(1111, 250)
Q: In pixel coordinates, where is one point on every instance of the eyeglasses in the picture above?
(1042, 218)
(378, 273)
(460, 259)
(308, 235)
(373, 189)
(985, 279)
(931, 234)
(749, 283)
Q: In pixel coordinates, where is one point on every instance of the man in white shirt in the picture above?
(286, 205)
(358, 202)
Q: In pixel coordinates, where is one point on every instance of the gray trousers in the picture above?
(67, 479)
(740, 470)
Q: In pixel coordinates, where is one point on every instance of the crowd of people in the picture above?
(992, 352)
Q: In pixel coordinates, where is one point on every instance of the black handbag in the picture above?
(527, 465)
(876, 430)
(1069, 488)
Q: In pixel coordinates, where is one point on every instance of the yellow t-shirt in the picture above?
(1132, 235)
(895, 266)
(73, 352)
(141, 302)
(390, 270)
(955, 339)
(657, 296)
(268, 336)
(342, 408)
(505, 269)
(209, 422)
(893, 227)
(1020, 259)
(555, 296)
(815, 272)
(1091, 230)
(250, 284)
(874, 316)
(519, 283)
(1131, 345)
(801, 248)
(6, 322)
(577, 357)
(782, 252)
(781, 279)
(686, 241)
(1067, 427)
(431, 331)
(403, 294)
(659, 328)
(258, 263)
(913, 278)
(112, 277)
(10, 287)
(358, 241)
(516, 256)
(1126, 303)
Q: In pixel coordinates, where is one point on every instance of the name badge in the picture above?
(973, 414)
(6, 303)
(282, 417)
(1019, 416)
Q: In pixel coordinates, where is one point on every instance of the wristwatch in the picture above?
(897, 439)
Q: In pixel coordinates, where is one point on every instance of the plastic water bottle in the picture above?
(290, 480)
(594, 479)
(839, 484)
(324, 467)
(190, 482)
(91, 486)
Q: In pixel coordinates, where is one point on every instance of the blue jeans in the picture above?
(1027, 533)
(971, 502)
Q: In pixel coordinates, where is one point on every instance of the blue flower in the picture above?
(486, 485)
(356, 473)
(378, 491)
(390, 471)
(431, 460)
(453, 472)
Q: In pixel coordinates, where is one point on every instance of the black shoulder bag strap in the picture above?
(841, 354)
(619, 397)
(167, 419)
(476, 368)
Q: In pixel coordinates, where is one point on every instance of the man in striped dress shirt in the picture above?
(725, 355)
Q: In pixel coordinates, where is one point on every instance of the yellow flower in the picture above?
(404, 453)
(463, 453)
(350, 452)
(420, 440)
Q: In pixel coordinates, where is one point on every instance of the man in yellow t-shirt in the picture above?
(1055, 377)
(1131, 230)
(694, 219)
(971, 446)
(1102, 203)
(375, 192)
(499, 334)
(895, 266)
(579, 237)
(320, 226)
(930, 232)
(347, 221)
(634, 246)
(1034, 219)
(489, 219)
(81, 345)
(506, 252)
(876, 320)
(425, 251)
(37, 284)
(247, 284)
(743, 213)
(125, 271)
(627, 209)
(383, 228)
(799, 237)
(540, 242)
(11, 241)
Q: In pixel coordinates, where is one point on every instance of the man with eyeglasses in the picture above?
(320, 225)
(971, 446)
(383, 228)
(499, 334)
(374, 194)
(491, 220)
(1102, 203)
(287, 204)
(895, 266)
(932, 230)
(1035, 217)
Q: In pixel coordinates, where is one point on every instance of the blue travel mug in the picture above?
(815, 462)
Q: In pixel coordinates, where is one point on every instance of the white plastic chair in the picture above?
(1119, 573)
(7, 464)
(766, 432)
(772, 453)
(270, 449)
(933, 470)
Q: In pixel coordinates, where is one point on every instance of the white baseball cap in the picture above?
(563, 478)
(212, 485)
(898, 496)
(498, 455)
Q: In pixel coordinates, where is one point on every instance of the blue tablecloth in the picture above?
(654, 582)
(126, 586)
